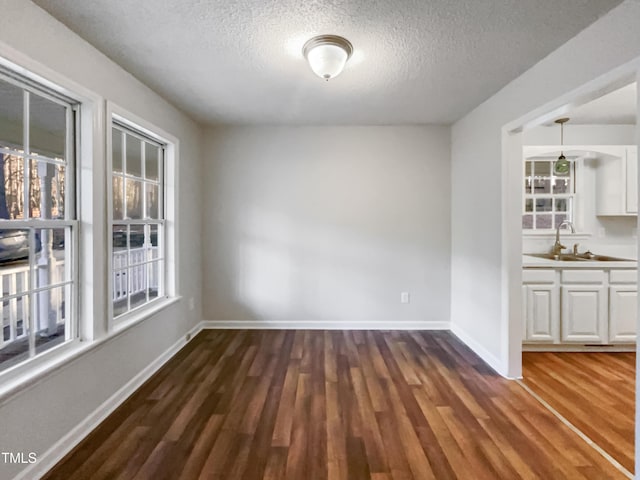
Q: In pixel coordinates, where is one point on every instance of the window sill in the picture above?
(136, 316)
(23, 376)
(552, 234)
(26, 375)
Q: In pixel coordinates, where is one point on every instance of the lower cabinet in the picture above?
(541, 313)
(579, 306)
(623, 307)
(584, 313)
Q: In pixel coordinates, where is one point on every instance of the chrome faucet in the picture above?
(557, 247)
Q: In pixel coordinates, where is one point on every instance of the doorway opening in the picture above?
(574, 210)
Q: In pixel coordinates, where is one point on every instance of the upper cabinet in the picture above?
(617, 183)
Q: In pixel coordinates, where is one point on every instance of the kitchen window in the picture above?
(38, 227)
(549, 197)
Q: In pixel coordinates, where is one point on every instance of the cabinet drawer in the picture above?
(623, 276)
(583, 276)
(535, 275)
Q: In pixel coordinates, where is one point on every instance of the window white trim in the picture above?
(89, 152)
(171, 287)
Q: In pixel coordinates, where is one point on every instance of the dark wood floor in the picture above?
(338, 405)
(594, 391)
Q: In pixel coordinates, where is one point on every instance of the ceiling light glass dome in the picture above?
(327, 55)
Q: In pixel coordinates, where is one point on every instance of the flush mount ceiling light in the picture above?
(562, 165)
(327, 55)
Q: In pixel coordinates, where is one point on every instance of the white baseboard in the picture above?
(53, 455)
(488, 357)
(322, 325)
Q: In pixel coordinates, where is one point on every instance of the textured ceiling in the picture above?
(240, 61)
(616, 108)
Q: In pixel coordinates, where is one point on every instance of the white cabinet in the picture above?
(579, 306)
(541, 313)
(584, 306)
(623, 306)
(617, 183)
(584, 313)
(541, 308)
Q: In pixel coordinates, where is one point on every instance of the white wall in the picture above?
(327, 224)
(581, 135)
(480, 271)
(34, 419)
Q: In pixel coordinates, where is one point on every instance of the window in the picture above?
(37, 219)
(138, 214)
(548, 197)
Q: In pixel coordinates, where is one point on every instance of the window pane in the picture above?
(155, 270)
(13, 187)
(116, 150)
(543, 169)
(14, 247)
(119, 243)
(11, 113)
(14, 347)
(120, 262)
(543, 221)
(136, 238)
(154, 235)
(119, 292)
(527, 222)
(561, 204)
(542, 185)
(544, 204)
(134, 156)
(138, 284)
(151, 159)
(14, 277)
(51, 256)
(528, 205)
(47, 190)
(134, 199)
(152, 201)
(118, 205)
(48, 127)
(52, 317)
(559, 218)
(561, 185)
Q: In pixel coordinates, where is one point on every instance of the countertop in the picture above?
(534, 262)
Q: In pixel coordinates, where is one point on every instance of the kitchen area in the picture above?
(579, 269)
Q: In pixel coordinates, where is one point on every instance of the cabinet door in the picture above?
(632, 180)
(584, 313)
(542, 313)
(623, 313)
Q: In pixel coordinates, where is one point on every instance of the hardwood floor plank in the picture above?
(594, 391)
(341, 405)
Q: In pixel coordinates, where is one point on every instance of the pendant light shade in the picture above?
(562, 165)
(327, 55)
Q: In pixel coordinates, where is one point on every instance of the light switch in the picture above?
(404, 297)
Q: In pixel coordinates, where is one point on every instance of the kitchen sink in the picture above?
(580, 257)
(564, 257)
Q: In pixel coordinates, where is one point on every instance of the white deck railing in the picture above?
(14, 279)
(136, 279)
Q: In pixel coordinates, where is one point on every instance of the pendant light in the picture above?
(327, 55)
(562, 165)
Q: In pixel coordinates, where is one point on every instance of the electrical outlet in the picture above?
(404, 297)
(192, 303)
